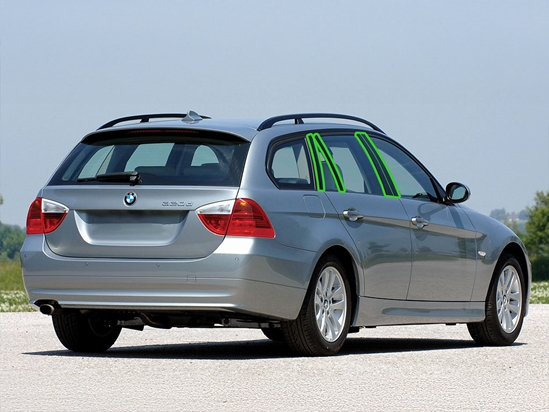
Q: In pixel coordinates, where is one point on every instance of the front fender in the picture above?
(494, 239)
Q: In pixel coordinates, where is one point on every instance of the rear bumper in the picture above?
(258, 277)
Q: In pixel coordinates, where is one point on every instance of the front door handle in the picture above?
(352, 214)
(419, 222)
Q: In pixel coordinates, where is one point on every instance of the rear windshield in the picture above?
(175, 157)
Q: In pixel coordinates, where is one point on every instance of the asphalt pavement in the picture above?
(408, 368)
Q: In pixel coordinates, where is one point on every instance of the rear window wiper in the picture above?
(131, 177)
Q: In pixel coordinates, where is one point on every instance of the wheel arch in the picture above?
(351, 270)
(518, 252)
(499, 328)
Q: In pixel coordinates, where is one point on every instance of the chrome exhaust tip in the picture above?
(47, 309)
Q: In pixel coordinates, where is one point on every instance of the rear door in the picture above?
(375, 219)
(152, 214)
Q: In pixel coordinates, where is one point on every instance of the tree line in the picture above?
(536, 238)
(11, 240)
(532, 226)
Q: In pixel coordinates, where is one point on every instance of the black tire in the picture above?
(505, 305)
(274, 334)
(80, 333)
(309, 337)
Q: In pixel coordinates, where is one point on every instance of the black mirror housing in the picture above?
(457, 192)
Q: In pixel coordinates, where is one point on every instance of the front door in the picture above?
(443, 237)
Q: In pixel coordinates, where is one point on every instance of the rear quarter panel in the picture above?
(302, 219)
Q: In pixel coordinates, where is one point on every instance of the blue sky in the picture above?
(463, 85)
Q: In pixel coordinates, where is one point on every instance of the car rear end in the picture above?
(147, 220)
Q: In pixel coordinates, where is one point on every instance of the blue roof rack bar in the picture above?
(298, 119)
(144, 118)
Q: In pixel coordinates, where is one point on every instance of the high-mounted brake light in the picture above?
(240, 217)
(45, 216)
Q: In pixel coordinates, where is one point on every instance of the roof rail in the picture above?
(144, 118)
(298, 119)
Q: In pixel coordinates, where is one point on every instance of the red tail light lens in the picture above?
(242, 217)
(249, 219)
(45, 216)
(34, 218)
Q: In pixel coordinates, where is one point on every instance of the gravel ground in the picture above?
(411, 368)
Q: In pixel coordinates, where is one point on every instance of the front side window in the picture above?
(159, 158)
(411, 179)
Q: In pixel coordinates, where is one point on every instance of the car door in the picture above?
(377, 223)
(443, 237)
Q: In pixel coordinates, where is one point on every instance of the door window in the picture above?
(351, 164)
(341, 165)
(411, 179)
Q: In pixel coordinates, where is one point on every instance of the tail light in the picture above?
(45, 216)
(240, 217)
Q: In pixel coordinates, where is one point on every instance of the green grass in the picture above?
(540, 292)
(10, 275)
(13, 297)
(14, 301)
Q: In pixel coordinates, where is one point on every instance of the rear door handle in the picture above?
(352, 214)
(419, 222)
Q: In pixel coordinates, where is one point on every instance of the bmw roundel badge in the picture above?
(130, 198)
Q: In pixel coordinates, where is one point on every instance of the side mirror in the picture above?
(457, 192)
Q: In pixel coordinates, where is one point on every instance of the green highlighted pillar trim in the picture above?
(321, 156)
(319, 152)
(383, 173)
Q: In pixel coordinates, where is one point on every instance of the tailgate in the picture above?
(162, 223)
(134, 193)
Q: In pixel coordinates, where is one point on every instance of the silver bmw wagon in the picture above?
(307, 226)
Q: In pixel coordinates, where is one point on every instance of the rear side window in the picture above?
(159, 157)
(289, 166)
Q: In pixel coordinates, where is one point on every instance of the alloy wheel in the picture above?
(509, 299)
(330, 304)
